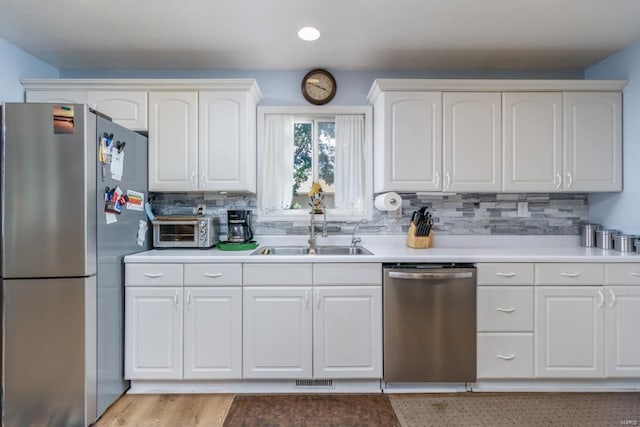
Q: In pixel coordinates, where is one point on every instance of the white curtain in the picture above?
(276, 183)
(350, 162)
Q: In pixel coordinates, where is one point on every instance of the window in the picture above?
(301, 145)
(314, 158)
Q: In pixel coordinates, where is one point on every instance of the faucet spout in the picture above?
(356, 239)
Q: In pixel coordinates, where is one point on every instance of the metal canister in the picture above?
(604, 238)
(624, 242)
(637, 244)
(588, 235)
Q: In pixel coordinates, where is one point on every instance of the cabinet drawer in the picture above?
(213, 274)
(276, 274)
(505, 308)
(153, 275)
(569, 274)
(347, 274)
(505, 274)
(622, 274)
(505, 355)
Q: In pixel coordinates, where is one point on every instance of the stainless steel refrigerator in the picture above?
(62, 270)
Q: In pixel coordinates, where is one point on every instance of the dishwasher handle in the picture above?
(431, 275)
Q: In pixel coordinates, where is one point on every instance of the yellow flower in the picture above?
(315, 189)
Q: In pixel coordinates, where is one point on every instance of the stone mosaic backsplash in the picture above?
(469, 213)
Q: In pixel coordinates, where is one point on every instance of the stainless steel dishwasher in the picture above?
(429, 323)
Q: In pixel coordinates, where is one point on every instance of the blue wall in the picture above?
(283, 87)
(17, 64)
(622, 210)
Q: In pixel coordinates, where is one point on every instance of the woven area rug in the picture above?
(311, 410)
(519, 409)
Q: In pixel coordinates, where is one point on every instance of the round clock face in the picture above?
(318, 87)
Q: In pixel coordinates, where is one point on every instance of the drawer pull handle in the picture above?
(212, 275)
(573, 275)
(634, 274)
(506, 310)
(506, 274)
(510, 357)
(154, 275)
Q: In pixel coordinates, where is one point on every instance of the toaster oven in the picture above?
(185, 231)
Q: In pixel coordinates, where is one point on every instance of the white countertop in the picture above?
(392, 248)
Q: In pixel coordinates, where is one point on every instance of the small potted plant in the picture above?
(316, 195)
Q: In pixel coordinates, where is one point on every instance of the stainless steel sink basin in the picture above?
(304, 250)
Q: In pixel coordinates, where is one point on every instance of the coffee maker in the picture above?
(239, 226)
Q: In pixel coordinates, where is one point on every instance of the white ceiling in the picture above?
(356, 34)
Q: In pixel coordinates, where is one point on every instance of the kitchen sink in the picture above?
(304, 250)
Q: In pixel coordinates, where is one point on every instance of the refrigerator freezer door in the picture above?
(49, 372)
(49, 192)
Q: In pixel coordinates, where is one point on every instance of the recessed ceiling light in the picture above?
(309, 34)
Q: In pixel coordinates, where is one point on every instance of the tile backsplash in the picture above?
(468, 213)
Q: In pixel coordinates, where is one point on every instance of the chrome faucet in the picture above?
(312, 231)
(356, 239)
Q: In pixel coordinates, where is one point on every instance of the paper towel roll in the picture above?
(388, 201)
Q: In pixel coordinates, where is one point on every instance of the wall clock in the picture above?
(318, 86)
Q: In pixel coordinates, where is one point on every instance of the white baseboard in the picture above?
(256, 386)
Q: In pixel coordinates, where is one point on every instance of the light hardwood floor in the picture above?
(167, 410)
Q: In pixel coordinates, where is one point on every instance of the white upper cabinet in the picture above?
(472, 141)
(227, 141)
(127, 108)
(593, 141)
(408, 141)
(497, 135)
(532, 144)
(173, 139)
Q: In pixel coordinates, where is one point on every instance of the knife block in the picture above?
(418, 242)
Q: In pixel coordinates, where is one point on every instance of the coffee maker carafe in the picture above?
(239, 226)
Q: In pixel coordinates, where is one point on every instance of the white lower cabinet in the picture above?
(212, 333)
(569, 332)
(176, 332)
(191, 333)
(505, 320)
(622, 331)
(301, 331)
(347, 331)
(588, 332)
(153, 333)
(277, 337)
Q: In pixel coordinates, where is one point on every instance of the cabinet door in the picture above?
(412, 139)
(569, 332)
(472, 141)
(227, 148)
(593, 141)
(347, 332)
(212, 333)
(621, 329)
(173, 141)
(153, 335)
(532, 141)
(67, 97)
(127, 108)
(277, 332)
